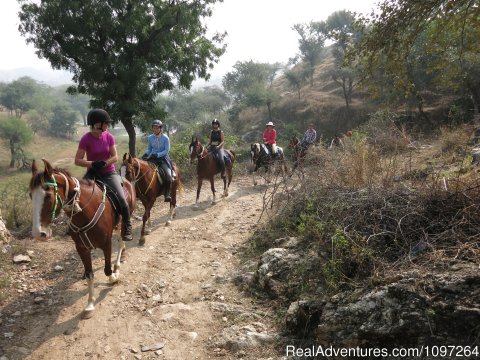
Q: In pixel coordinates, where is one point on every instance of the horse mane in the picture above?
(38, 178)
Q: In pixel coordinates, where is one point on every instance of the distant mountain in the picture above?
(47, 76)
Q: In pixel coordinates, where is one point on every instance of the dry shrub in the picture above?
(454, 141)
(353, 210)
(384, 132)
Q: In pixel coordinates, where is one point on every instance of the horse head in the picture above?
(255, 150)
(48, 191)
(131, 169)
(293, 142)
(195, 149)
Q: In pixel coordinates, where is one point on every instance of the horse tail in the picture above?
(180, 187)
(233, 155)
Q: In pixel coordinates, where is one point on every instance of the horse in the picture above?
(207, 167)
(91, 222)
(144, 176)
(260, 157)
(299, 152)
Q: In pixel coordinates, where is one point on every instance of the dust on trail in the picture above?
(176, 290)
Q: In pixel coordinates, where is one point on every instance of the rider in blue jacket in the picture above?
(157, 153)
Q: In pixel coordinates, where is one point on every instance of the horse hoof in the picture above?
(141, 241)
(87, 314)
(147, 231)
(168, 222)
(255, 183)
(116, 268)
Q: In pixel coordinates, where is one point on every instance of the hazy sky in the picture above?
(259, 30)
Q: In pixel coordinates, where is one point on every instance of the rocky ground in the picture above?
(176, 298)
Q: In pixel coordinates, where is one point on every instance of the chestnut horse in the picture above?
(144, 176)
(207, 167)
(299, 152)
(260, 157)
(91, 222)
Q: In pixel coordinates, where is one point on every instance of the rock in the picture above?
(58, 268)
(156, 346)
(17, 259)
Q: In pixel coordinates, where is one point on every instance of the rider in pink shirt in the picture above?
(98, 146)
(270, 136)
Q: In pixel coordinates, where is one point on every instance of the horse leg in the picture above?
(87, 265)
(173, 203)
(212, 186)
(229, 175)
(107, 254)
(145, 218)
(121, 248)
(199, 187)
(253, 175)
(225, 189)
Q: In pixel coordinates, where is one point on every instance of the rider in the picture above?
(157, 153)
(215, 145)
(99, 146)
(309, 137)
(270, 138)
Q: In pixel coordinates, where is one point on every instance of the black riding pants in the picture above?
(112, 180)
(162, 162)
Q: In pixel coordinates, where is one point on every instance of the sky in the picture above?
(258, 30)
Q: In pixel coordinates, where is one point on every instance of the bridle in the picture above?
(203, 153)
(71, 206)
(137, 177)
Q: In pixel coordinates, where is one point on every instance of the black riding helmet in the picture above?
(215, 121)
(157, 123)
(98, 116)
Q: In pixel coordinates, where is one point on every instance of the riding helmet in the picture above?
(215, 121)
(157, 123)
(98, 116)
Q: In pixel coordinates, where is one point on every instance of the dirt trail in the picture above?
(175, 290)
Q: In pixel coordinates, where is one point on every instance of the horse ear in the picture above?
(129, 159)
(124, 156)
(34, 167)
(48, 167)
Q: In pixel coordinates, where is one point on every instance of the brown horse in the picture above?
(144, 175)
(91, 222)
(207, 167)
(299, 152)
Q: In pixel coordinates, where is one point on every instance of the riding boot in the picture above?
(168, 189)
(127, 225)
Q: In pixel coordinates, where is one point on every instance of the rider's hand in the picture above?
(98, 164)
(145, 157)
(153, 156)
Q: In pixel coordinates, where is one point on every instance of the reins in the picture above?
(136, 177)
(72, 206)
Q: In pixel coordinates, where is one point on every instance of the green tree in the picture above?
(340, 27)
(250, 84)
(310, 43)
(16, 134)
(450, 31)
(123, 52)
(62, 123)
(17, 96)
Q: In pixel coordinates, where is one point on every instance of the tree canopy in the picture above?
(124, 52)
(436, 39)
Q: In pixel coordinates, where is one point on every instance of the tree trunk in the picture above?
(12, 154)
(269, 111)
(127, 122)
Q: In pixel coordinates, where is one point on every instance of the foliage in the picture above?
(411, 43)
(63, 121)
(123, 53)
(18, 96)
(15, 133)
(310, 44)
(250, 84)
